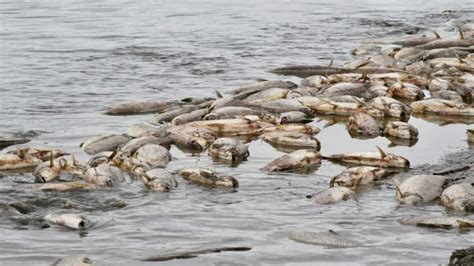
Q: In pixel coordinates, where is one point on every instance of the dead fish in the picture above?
(228, 149)
(383, 60)
(304, 71)
(159, 180)
(284, 105)
(43, 154)
(345, 88)
(64, 186)
(328, 107)
(389, 107)
(355, 176)
(400, 130)
(73, 261)
(445, 53)
(347, 99)
(293, 127)
(268, 95)
(133, 145)
(316, 81)
(230, 112)
(420, 189)
(267, 84)
(9, 140)
(208, 177)
(356, 63)
(170, 114)
(330, 239)
(417, 40)
(379, 159)
(301, 91)
(140, 107)
(14, 161)
(377, 91)
(441, 107)
(192, 138)
(365, 48)
(249, 125)
(103, 143)
(104, 175)
(438, 84)
(437, 222)
(405, 90)
(295, 161)
(363, 124)
(447, 95)
(292, 139)
(293, 117)
(409, 55)
(459, 197)
(419, 68)
(152, 156)
(52, 169)
(195, 100)
(333, 195)
(101, 158)
(446, 43)
(142, 129)
(195, 115)
(70, 220)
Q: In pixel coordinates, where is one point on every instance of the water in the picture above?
(63, 62)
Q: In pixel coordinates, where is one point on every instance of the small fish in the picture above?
(70, 220)
(420, 189)
(295, 161)
(208, 177)
(228, 149)
(437, 222)
(400, 130)
(378, 159)
(292, 139)
(355, 176)
(330, 239)
(103, 143)
(333, 195)
(459, 197)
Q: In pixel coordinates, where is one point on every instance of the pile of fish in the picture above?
(426, 76)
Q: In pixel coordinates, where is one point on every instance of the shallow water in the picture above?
(63, 62)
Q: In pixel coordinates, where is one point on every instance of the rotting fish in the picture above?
(345, 88)
(103, 143)
(378, 90)
(14, 161)
(470, 135)
(292, 127)
(446, 43)
(363, 124)
(142, 129)
(420, 189)
(230, 112)
(100, 158)
(418, 40)
(329, 107)
(419, 68)
(193, 139)
(133, 145)
(316, 81)
(292, 139)
(140, 107)
(409, 55)
(437, 222)
(267, 84)
(6, 140)
(300, 160)
(169, 114)
(152, 156)
(355, 176)
(159, 180)
(400, 130)
(70, 220)
(293, 117)
(64, 186)
(248, 125)
(445, 53)
(228, 149)
(208, 177)
(405, 90)
(447, 95)
(383, 60)
(52, 169)
(459, 197)
(330, 239)
(283, 105)
(268, 95)
(104, 175)
(304, 71)
(333, 195)
(41, 153)
(389, 107)
(441, 107)
(438, 84)
(195, 115)
(379, 159)
(73, 261)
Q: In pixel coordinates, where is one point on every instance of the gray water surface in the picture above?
(63, 62)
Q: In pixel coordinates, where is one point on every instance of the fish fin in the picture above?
(358, 100)
(382, 153)
(260, 80)
(73, 160)
(464, 224)
(333, 232)
(330, 63)
(436, 34)
(461, 35)
(114, 153)
(397, 187)
(219, 95)
(51, 159)
(82, 144)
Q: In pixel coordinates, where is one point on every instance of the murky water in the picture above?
(63, 62)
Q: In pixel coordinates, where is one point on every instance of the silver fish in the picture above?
(400, 130)
(330, 239)
(441, 107)
(268, 95)
(333, 195)
(317, 82)
(142, 129)
(378, 159)
(195, 115)
(170, 114)
(70, 220)
(292, 139)
(284, 105)
(389, 107)
(459, 197)
(420, 189)
(228, 149)
(267, 84)
(355, 176)
(140, 107)
(295, 161)
(345, 88)
(383, 60)
(103, 143)
(230, 112)
(208, 177)
(100, 158)
(133, 145)
(363, 124)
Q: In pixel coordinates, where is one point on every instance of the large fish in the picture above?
(267, 84)
(400, 130)
(459, 197)
(378, 159)
(355, 176)
(14, 161)
(363, 124)
(295, 161)
(70, 220)
(170, 114)
(441, 107)
(420, 189)
(330, 239)
(228, 149)
(140, 107)
(152, 156)
(104, 175)
(159, 180)
(103, 143)
(292, 139)
(333, 195)
(437, 222)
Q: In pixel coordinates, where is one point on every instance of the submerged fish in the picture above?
(208, 177)
(459, 197)
(420, 189)
(159, 180)
(228, 149)
(295, 161)
(330, 239)
(355, 176)
(64, 186)
(103, 143)
(379, 159)
(70, 220)
(400, 130)
(292, 139)
(437, 222)
(333, 195)
(363, 124)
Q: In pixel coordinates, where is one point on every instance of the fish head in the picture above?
(397, 160)
(306, 110)
(158, 185)
(399, 110)
(197, 143)
(226, 180)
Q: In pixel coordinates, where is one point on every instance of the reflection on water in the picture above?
(63, 63)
